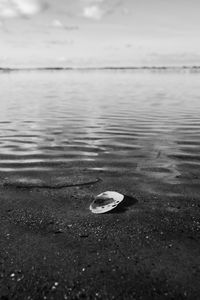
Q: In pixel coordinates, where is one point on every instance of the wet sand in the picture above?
(53, 247)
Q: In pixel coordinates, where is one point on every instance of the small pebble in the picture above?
(83, 235)
(58, 231)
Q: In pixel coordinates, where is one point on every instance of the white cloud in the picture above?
(97, 9)
(57, 23)
(93, 12)
(19, 8)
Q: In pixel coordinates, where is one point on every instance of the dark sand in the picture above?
(53, 247)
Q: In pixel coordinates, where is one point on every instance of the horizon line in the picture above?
(10, 69)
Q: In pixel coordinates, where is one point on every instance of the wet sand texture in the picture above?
(53, 247)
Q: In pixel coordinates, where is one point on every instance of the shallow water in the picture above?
(140, 124)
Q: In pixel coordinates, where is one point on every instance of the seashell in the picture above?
(105, 202)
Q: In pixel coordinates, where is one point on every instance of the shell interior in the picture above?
(105, 202)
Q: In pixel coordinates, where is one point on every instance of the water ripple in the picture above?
(134, 124)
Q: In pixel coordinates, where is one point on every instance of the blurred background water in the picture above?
(136, 123)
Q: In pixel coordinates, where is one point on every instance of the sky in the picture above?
(98, 33)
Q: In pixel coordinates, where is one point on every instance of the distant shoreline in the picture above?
(123, 68)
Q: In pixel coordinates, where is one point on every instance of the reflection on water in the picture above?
(141, 124)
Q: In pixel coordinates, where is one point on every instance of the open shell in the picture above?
(105, 202)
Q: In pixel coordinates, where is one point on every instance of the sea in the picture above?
(132, 128)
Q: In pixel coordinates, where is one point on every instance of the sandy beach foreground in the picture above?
(53, 247)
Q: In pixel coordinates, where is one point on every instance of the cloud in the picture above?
(57, 23)
(93, 12)
(20, 8)
(97, 9)
(90, 9)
